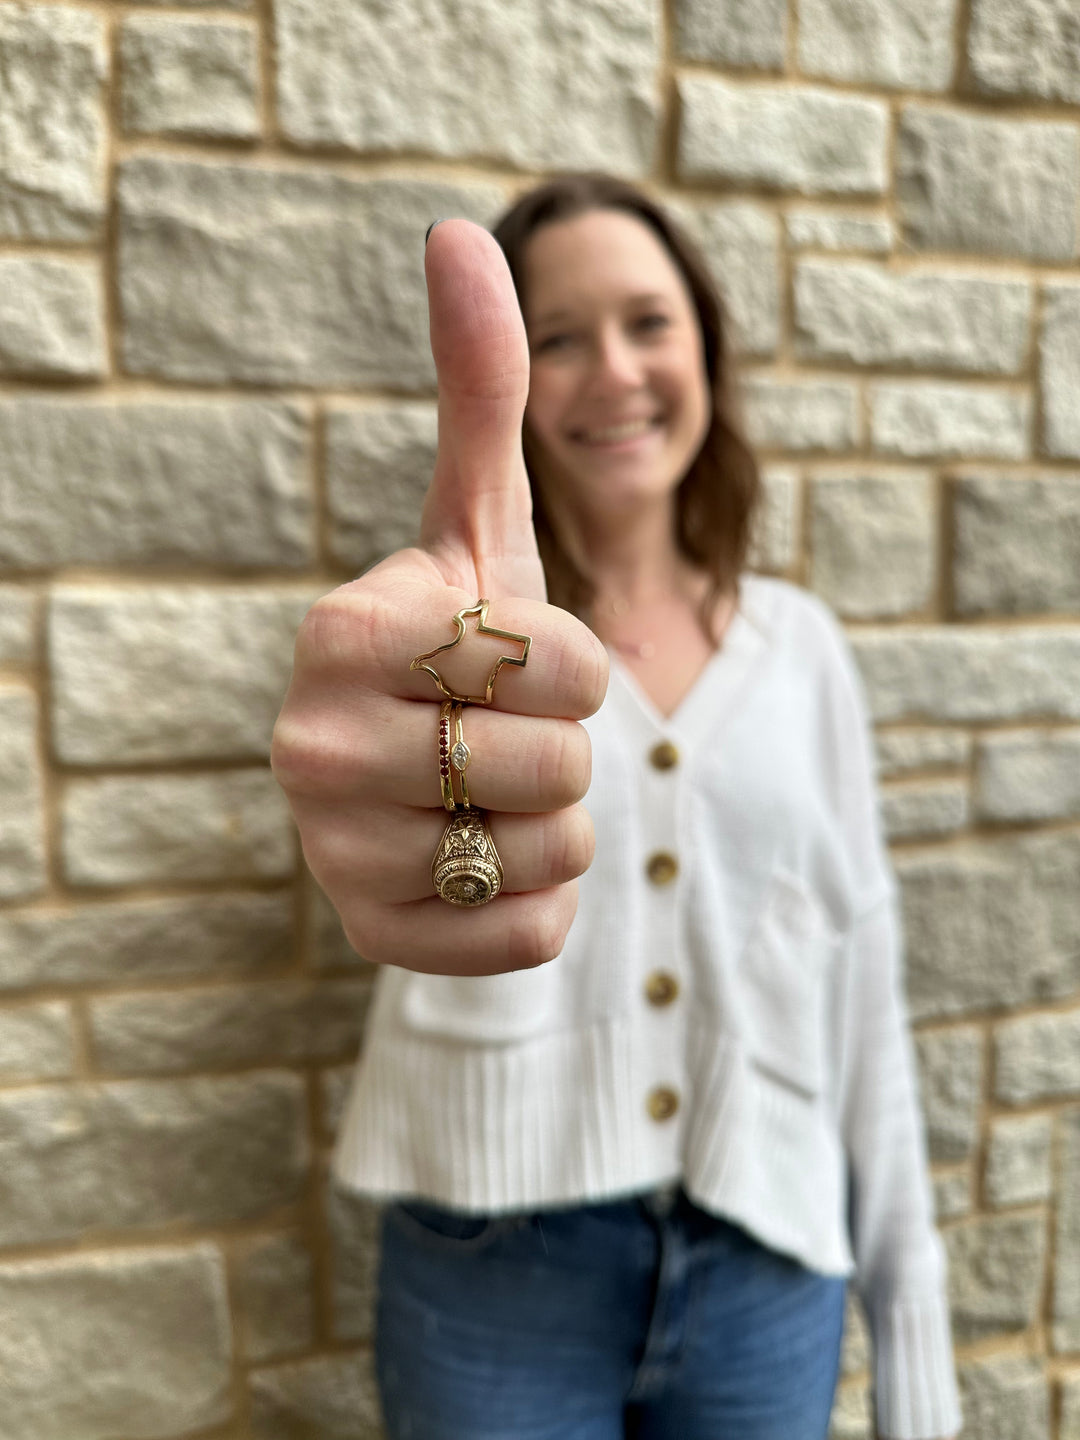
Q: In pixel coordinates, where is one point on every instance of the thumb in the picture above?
(479, 501)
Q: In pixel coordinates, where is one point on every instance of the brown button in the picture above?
(661, 867)
(661, 988)
(663, 1102)
(663, 755)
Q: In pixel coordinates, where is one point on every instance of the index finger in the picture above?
(367, 639)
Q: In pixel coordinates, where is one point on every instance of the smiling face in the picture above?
(619, 399)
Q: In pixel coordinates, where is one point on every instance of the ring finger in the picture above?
(537, 851)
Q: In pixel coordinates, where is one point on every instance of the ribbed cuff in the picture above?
(916, 1396)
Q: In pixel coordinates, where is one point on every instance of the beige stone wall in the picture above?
(216, 403)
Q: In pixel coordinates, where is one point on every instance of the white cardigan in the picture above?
(783, 1055)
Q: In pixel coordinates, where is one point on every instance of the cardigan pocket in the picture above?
(484, 1009)
(783, 984)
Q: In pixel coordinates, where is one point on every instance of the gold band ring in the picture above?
(454, 756)
(480, 610)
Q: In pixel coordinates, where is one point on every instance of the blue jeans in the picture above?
(638, 1319)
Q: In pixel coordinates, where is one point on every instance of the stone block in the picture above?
(774, 546)
(553, 87)
(748, 34)
(922, 420)
(1004, 1395)
(275, 1278)
(52, 320)
(1025, 50)
(189, 77)
(1017, 543)
(102, 1159)
(124, 1342)
(990, 926)
(140, 941)
(1059, 369)
(1070, 1408)
(952, 1195)
(276, 276)
(18, 624)
(22, 824)
(918, 809)
(995, 1274)
(970, 673)
(852, 1414)
(271, 1022)
(838, 230)
(163, 673)
(872, 543)
(379, 463)
(897, 43)
(952, 195)
(900, 44)
(334, 1085)
(1037, 1057)
(148, 482)
(354, 1223)
(35, 1042)
(950, 1088)
(52, 166)
(328, 946)
(855, 1351)
(1018, 1161)
(788, 137)
(333, 1397)
(857, 312)
(741, 245)
(1028, 775)
(146, 829)
(911, 751)
(800, 415)
(1066, 1281)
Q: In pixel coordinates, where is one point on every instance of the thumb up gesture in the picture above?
(356, 745)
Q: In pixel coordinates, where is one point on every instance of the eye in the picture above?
(552, 342)
(652, 322)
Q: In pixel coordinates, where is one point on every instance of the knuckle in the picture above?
(574, 844)
(539, 936)
(582, 672)
(362, 928)
(565, 764)
(337, 633)
(312, 757)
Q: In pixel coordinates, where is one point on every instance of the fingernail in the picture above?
(429, 230)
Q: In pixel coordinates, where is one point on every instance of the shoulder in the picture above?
(797, 622)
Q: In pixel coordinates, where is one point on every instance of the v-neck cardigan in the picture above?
(743, 866)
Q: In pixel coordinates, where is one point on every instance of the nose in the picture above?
(616, 363)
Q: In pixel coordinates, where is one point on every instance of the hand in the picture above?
(355, 746)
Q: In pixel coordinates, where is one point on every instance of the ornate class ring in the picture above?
(466, 869)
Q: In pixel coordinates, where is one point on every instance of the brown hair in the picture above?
(718, 498)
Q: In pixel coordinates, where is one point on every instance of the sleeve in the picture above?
(901, 1267)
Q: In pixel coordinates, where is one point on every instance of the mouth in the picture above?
(616, 436)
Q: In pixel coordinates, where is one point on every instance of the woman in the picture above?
(635, 1150)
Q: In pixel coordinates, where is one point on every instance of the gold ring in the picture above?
(480, 610)
(466, 869)
(454, 756)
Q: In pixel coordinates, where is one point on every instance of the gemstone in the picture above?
(460, 755)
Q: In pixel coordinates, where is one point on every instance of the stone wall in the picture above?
(216, 403)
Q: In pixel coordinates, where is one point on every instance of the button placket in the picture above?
(660, 790)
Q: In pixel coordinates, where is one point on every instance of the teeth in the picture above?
(616, 433)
